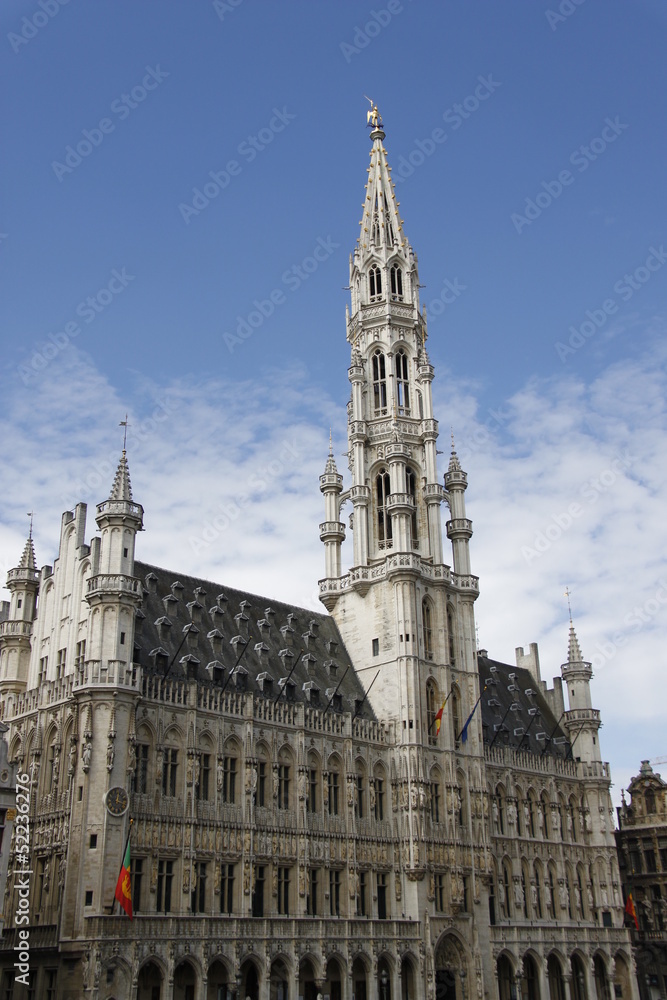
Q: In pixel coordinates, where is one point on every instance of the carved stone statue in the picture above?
(111, 753)
(86, 754)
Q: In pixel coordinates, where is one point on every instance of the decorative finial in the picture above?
(30, 515)
(373, 117)
(330, 445)
(569, 607)
(124, 423)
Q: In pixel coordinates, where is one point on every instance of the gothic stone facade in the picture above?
(302, 823)
(642, 852)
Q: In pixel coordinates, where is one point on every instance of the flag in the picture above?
(124, 883)
(630, 910)
(463, 735)
(437, 722)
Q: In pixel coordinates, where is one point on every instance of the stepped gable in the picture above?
(522, 729)
(219, 620)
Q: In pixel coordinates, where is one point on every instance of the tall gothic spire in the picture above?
(381, 224)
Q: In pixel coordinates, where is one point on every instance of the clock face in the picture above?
(117, 801)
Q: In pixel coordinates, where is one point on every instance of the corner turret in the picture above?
(582, 721)
(15, 631)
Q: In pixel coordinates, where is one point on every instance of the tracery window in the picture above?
(402, 383)
(382, 488)
(428, 631)
(396, 279)
(375, 283)
(379, 384)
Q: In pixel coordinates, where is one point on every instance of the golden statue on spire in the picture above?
(373, 117)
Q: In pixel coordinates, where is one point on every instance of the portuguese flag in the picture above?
(124, 883)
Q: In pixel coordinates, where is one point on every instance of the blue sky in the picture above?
(541, 194)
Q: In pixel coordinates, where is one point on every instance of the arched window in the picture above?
(375, 283)
(543, 815)
(402, 384)
(525, 881)
(536, 893)
(379, 384)
(396, 276)
(649, 801)
(450, 635)
(555, 977)
(507, 886)
(427, 629)
(530, 985)
(382, 488)
(455, 700)
(551, 882)
(431, 711)
(411, 483)
(578, 988)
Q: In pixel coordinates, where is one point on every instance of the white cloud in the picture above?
(228, 476)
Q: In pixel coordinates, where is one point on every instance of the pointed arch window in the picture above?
(396, 282)
(402, 383)
(427, 629)
(382, 489)
(375, 283)
(455, 700)
(379, 384)
(431, 712)
(450, 634)
(411, 483)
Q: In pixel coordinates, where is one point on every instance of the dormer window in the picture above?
(375, 283)
(402, 384)
(396, 282)
(379, 385)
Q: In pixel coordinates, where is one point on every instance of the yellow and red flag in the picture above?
(437, 722)
(124, 883)
(630, 910)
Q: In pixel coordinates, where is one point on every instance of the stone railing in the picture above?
(522, 760)
(123, 507)
(114, 583)
(117, 672)
(23, 629)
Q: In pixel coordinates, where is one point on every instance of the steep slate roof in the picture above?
(522, 728)
(172, 603)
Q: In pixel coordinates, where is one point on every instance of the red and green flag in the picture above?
(124, 883)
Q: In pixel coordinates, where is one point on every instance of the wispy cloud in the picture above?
(228, 476)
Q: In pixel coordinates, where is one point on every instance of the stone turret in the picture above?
(15, 631)
(582, 721)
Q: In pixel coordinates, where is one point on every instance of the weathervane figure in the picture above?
(373, 116)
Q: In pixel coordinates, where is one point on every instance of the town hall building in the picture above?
(358, 804)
